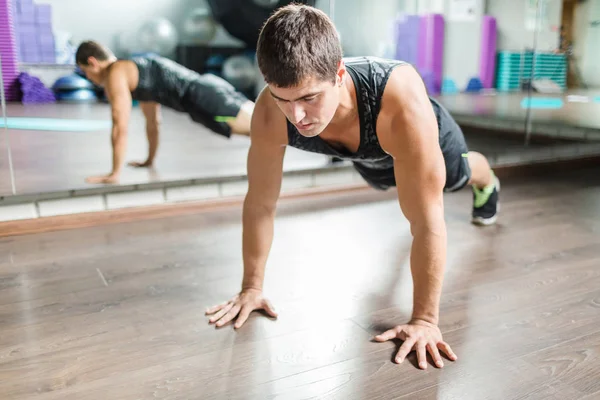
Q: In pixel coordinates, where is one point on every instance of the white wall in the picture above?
(366, 29)
(365, 25)
(586, 42)
(103, 20)
(462, 44)
(513, 34)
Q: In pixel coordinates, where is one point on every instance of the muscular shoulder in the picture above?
(268, 122)
(406, 109)
(404, 90)
(122, 73)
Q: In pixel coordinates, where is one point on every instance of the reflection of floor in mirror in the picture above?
(54, 161)
(580, 107)
(46, 161)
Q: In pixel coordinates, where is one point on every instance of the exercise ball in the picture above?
(214, 64)
(158, 36)
(72, 82)
(266, 3)
(243, 19)
(77, 96)
(239, 71)
(200, 27)
(125, 43)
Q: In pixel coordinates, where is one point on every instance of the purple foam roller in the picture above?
(431, 49)
(407, 36)
(487, 61)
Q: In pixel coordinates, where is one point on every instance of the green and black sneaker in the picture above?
(485, 203)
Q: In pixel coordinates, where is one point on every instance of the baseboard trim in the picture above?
(84, 220)
(105, 217)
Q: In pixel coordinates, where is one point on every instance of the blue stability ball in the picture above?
(239, 71)
(77, 96)
(214, 64)
(72, 82)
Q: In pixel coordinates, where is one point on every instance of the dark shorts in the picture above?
(454, 149)
(211, 101)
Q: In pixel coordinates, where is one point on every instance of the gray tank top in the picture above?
(370, 76)
(162, 81)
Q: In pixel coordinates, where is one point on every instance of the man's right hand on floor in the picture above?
(241, 305)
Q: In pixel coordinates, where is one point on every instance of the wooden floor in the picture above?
(117, 312)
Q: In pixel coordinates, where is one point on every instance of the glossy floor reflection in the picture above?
(581, 108)
(47, 161)
(117, 312)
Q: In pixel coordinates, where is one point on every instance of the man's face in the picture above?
(93, 71)
(311, 105)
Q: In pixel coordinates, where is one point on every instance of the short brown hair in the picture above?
(89, 49)
(296, 42)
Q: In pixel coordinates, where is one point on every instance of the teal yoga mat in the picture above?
(55, 124)
(542, 103)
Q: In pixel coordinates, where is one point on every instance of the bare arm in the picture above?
(120, 99)
(265, 165)
(420, 177)
(265, 171)
(119, 96)
(411, 136)
(151, 112)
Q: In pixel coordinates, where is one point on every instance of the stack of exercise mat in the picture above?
(33, 32)
(515, 68)
(8, 51)
(26, 35)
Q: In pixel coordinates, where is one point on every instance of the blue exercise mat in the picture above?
(547, 103)
(55, 124)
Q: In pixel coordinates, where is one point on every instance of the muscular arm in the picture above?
(117, 91)
(151, 111)
(412, 140)
(119, 96)
(409, 132)
(265, 171)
